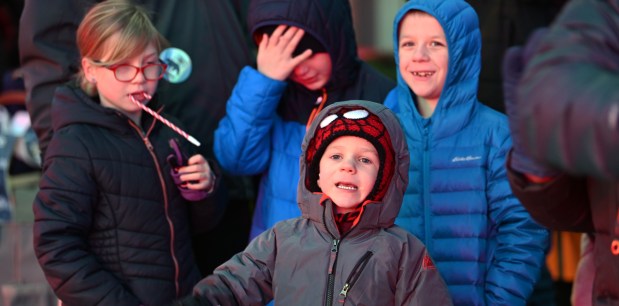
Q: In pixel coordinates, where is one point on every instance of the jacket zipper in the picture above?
(332, 264)
(425, 177)
(151, 150)
(354, 275)
(335, 247)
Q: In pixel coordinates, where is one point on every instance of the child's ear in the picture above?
(89, 69)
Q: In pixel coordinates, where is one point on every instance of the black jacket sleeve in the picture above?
(205, 214)
(212, 208)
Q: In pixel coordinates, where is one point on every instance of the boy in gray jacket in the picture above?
(345, 247)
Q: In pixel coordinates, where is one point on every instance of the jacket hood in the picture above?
(380, 214)
(459, 96)
(328, 21)
(72, 106)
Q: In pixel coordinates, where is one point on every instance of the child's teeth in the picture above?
(346, 187)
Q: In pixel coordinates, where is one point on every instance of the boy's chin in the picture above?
(343, 209)
(312, 86)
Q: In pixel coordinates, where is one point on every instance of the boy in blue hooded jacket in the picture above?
(458, 202)
(307, 59)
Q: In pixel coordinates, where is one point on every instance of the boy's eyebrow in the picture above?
(365, 149)
(432, 37)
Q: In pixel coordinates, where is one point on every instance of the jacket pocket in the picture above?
(354, 276)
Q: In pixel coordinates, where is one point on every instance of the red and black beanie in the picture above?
(351, 121)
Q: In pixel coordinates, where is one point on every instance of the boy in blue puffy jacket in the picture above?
(458, 202)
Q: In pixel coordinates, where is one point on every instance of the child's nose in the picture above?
(348, 165)
(301, 69)
(420, 53)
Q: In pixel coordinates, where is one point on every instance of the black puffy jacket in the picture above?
(111, 227)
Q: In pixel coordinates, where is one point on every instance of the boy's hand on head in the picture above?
(275, 58)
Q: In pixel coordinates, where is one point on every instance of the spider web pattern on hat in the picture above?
(352, 122)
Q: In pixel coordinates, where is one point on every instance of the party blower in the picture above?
(137, 98)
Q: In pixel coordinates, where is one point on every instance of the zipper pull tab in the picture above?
(335, 245)
(321, 98)
(333, 257)
(344, 291)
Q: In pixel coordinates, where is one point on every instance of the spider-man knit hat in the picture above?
(352, 121)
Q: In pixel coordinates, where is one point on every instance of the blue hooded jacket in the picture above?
(266, 119)
(458, 202)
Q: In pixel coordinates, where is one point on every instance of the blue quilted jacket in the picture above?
(458, 202)
(265, 119)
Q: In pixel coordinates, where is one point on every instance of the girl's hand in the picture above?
(197, 175)
(275, 58)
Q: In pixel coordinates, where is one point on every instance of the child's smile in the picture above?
(346, 186)
(423, 56)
